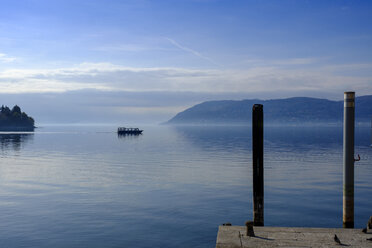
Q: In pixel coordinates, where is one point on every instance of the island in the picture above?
(15, 120)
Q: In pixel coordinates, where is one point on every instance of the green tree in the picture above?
(16, 109)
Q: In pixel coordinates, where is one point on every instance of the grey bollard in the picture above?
(348, 160)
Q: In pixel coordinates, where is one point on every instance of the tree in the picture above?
(15, 119)
(16, 109)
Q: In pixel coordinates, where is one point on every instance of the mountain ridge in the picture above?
(292, 110)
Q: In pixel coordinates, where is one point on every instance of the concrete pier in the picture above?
(236, 237)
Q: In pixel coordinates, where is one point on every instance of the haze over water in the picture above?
(83, 186)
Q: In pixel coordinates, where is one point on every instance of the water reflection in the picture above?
(223, 136)
(216, 137)
(14, 141)
(197, 176)
(128, 135)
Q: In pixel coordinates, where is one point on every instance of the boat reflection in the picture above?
(128, 135)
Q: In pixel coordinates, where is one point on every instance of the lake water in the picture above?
(170, 187)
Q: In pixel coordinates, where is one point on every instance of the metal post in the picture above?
(348, 157)
(258, 170)
(371, 132)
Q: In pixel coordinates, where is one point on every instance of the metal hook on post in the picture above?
(357, 159)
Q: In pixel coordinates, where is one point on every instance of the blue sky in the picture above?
(134, 59)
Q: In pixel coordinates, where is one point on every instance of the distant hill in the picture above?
(289, 111)
(15, 120)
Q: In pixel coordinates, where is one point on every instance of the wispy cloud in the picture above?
(186, 49)
(291, 62)
(130, 47)
(122, 47)
(6, 59)
(258, 79)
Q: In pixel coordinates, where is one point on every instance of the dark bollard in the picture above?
(348, 160)
(250, 231)
(258, 170)
(369, 223)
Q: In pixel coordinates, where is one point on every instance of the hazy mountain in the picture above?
(290, 110)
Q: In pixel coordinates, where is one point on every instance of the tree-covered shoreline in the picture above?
(15, 120)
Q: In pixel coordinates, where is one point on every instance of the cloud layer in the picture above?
(295, 77)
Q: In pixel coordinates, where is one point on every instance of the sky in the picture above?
(142, 61)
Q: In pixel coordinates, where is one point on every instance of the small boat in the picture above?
(130, 130)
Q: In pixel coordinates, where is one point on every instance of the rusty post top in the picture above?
(349, 95)
(349, 99)
(257, 106)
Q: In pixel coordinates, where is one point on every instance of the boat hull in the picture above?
(130, 132)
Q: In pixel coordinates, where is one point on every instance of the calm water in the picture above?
(171, 186)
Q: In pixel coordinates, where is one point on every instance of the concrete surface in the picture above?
(235, 236)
